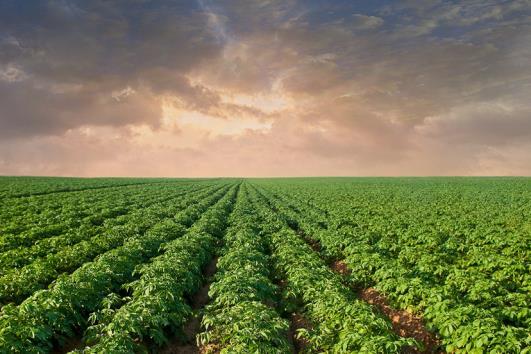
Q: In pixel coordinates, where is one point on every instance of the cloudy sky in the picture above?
(265, 87)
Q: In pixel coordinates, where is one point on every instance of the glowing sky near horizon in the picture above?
(265, 88)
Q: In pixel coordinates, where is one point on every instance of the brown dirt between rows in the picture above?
(297, 321)
(340, 267)
(314, 244)
(404, 323)
(193, 326)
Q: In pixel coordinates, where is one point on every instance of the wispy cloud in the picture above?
(276, 87)
(216, 22)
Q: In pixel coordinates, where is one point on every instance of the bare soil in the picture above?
(298, 321)
(404, 323)
(193, 326)
(340, 267)
(314, 244)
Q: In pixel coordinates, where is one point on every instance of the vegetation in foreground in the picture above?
(114, 265)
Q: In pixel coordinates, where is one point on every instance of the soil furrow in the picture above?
(404, 323)
(188, 345)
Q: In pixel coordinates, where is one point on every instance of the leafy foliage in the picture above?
(241, 317)
(341, 323)
(456, 251)
(55, 313)
(158, 297)
(120, 259)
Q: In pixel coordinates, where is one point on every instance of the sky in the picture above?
(265, 88)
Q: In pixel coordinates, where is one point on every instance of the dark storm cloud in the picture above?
(73, 56)
(363, 87)
(29, 110)
(72, 40)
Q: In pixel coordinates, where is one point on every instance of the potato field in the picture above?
(291, 265)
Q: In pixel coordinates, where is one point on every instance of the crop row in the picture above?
(466, 274)
(22, 255)
(19, 283)
(158, 297)
(341, 323)
(16, 187)
(51, 315)
(241, 317)
(30, 219)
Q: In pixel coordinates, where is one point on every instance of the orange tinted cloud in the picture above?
(252, 88)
